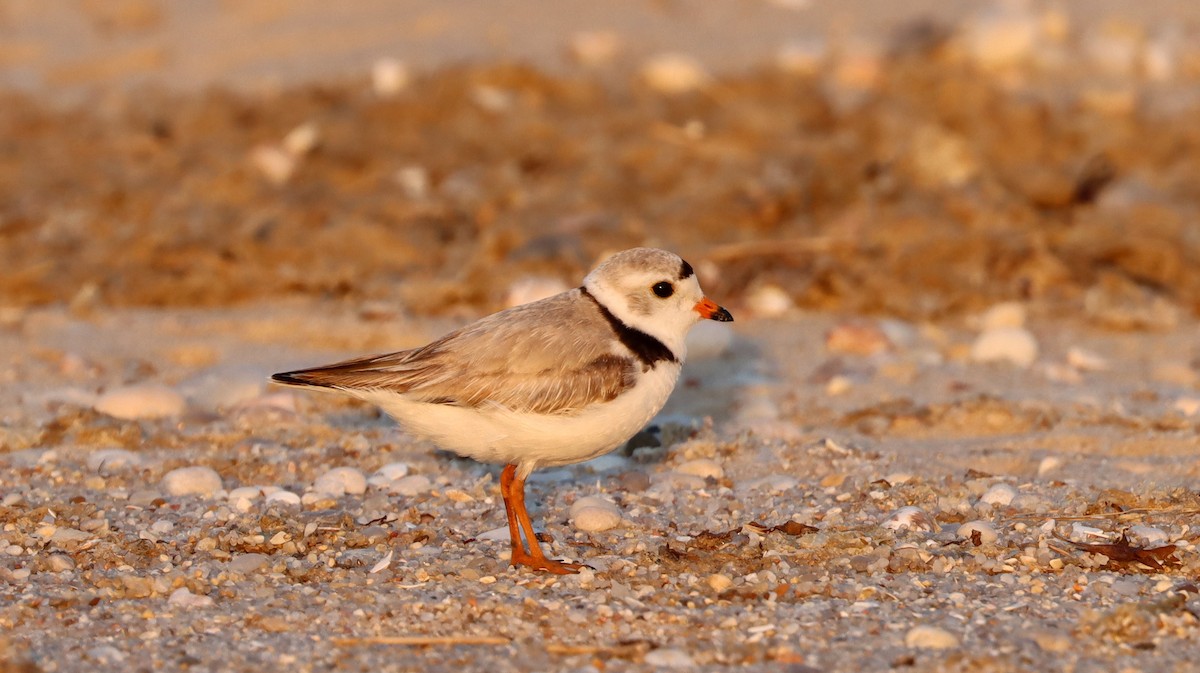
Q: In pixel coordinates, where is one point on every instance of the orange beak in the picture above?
(708, 308)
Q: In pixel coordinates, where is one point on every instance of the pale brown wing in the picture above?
(552, 357)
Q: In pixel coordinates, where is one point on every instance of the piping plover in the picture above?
(552, 382)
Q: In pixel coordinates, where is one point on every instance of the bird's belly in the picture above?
(499, 435)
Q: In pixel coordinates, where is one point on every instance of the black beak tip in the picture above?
(721, 315)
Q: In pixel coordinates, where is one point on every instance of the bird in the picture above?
(553, 382)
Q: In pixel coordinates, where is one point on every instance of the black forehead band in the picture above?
(685, 271)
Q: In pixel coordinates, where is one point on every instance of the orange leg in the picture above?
(514, 533)
(512, 489)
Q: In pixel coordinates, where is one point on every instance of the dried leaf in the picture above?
(667, 553)
(1123, 552)
(795, 528)
(787, 528)
(709, 540)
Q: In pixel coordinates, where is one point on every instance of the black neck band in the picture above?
(645, 347)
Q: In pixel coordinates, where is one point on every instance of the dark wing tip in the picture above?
(297, 378)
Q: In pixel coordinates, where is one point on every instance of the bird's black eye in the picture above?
(663, 289)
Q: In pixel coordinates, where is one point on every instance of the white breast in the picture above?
(528, 440)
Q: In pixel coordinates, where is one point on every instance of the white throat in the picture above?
(665, 325)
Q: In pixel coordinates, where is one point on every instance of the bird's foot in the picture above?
(549, 565)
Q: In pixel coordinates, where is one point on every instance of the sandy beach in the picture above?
(953, 427)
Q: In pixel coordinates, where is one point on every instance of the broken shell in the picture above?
(910, 518)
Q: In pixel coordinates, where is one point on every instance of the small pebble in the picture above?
(225, 387)
(719, 582)
(283, 498)
(194, 480)
(274, 163)
(492, 99)
(1149, 536)
(593, 501)
(242, 503)
(1002, 36)
(1161, 54)
(669, 657)
(283, 401)
(414, 180)
(838, 385)
(302, 139)
(63, 535)
(769, 301)
(245, 492)
(592, 514)
(247, 563)
(674, 73)
(182, 598)
(412, 485)
(986, 531)
(633, 481)
(910, 518)
(1004, 314)
(1060, 373)
(1005, 344)
(802, 57)
(1082, 533)
(774, 483)
(999, 494)
(112, 459)
(857, 70)
(387, 474)
(754, 408)
(857, 338)
(60, 563)
(930, 638)
(144, 497)
(942, 156)
(1115, 47)
(389, 77)
(341, 481)
(1049, 464)
(672, 482)
(1188, 406)
(595, 48)
(595, 519)
(702, 467)
(143, 400)
(105, 654)
(1085, 360)
(1030, 502)
(1050, 640)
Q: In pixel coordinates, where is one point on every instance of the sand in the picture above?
(963, 258)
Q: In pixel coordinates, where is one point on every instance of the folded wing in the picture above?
(521, 359)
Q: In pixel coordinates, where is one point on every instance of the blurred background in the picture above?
(920, 159)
